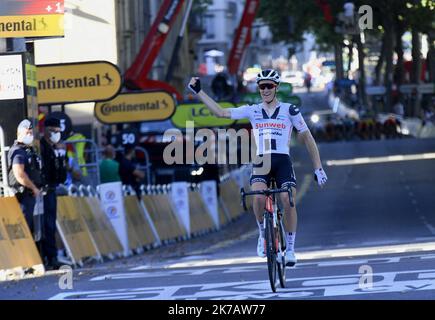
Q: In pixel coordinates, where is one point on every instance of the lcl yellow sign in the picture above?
(77, 82)
(136, 107)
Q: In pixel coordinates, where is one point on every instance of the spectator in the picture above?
(128, 171)
(109, 168)
(24, 171)
(74, 174)
(77, 150)
(398, 107)
(55, 172)
(307, 81)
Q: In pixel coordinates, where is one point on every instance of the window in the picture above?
(209, 26)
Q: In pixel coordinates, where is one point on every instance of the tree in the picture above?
(391, 19)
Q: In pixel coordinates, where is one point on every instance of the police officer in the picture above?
(25, 171)
(54, 171)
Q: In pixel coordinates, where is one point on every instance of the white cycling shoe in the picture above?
(290, 259)
(260, 247)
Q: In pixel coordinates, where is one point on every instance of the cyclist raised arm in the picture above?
(272, 122)
(195, 86)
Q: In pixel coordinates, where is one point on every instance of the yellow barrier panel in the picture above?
(223, 219)
(73, 230)
(230, 194)
(112, 242)
(137, 223)
(96, 228)
(18, 250)
(164, 219)
(6, 249)
(200, 219)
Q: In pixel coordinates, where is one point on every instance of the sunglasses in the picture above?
(266, 86)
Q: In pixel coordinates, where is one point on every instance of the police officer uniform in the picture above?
(54, 171)
(23, 154)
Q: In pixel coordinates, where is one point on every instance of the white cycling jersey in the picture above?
(272, 134)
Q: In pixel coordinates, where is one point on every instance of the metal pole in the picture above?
(4, 168)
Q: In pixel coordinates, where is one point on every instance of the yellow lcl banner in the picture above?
(136, 107)
(49, 25)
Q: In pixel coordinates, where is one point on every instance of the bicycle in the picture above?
(274, 237)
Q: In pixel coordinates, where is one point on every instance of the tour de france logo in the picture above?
(112, 212)
(110, 195)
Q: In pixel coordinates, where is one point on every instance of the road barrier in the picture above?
(230, 198)
(137, 224)
(87, 227)
(163, 217)
(18, 251)
(109, 244)
(73, 231)
(200, 218)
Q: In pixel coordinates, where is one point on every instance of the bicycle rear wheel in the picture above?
(281, 253)
(270, 249)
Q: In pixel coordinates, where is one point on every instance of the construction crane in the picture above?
(136, 75)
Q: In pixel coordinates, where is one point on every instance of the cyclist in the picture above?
(272, 122)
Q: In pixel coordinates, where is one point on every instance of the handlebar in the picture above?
(266, 192)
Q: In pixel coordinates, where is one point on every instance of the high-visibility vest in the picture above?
(78, 150)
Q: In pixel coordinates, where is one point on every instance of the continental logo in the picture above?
(77, 82)
(136, 107)
(32, 26)
(97, 80)
(107, 109)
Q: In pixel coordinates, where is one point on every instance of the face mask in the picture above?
(55, 137)
(28, 139)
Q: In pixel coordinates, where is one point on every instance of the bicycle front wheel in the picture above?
(270, 249)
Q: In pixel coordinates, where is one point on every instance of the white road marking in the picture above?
(324, 286)
(393, 158)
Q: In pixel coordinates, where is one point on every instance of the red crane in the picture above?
(136, 75)
(243, 36)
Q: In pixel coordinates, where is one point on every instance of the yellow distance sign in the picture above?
(136, 107)
(49, 25)
(77, 82)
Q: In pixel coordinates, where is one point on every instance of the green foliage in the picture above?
(307, 16)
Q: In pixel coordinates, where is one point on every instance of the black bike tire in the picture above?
(281, 266)
(270, 250)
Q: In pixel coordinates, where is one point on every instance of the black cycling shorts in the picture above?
(281, 170)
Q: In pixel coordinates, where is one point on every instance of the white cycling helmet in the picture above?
(268, 74)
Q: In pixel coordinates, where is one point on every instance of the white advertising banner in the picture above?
(180, 201)
(112, 203)
(208, 191)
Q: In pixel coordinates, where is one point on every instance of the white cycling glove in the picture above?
(320, 177)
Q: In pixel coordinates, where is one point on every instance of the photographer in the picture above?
(24, 171)
(54, 170)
